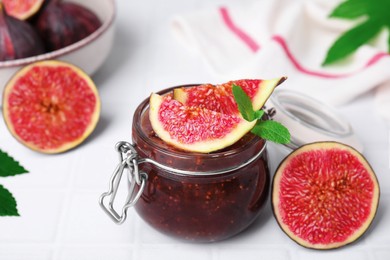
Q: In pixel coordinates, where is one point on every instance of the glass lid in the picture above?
(310, 120)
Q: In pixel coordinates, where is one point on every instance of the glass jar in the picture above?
(194, 196)
(308, 120)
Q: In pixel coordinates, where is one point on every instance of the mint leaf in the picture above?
(258, 114)
(8, 166)
(350, 9)
(377, 18)
(7, 203)
(272, 131)
(352, 40)
(269, 130)
(244, 103)
(388, 42)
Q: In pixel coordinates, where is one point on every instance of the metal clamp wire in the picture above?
(134, 177)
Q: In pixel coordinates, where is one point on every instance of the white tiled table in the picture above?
(60, 216)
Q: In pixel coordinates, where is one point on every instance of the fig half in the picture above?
(325, 195)
(51, 106)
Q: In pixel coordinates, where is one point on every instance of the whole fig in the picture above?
(18, 39)
(63, 23)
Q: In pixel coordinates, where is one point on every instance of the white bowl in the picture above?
(88, 54)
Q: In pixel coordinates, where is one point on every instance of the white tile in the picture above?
(342, 253)
(86, 223)
(23, 253)
(178, 251)
(95, 253)
(40, 213)
(381, 254)
(94, 168)
(44, 171)
(253, 253)
(378, 233)
(379, 159)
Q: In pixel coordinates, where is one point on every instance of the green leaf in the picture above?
(352, 40)
(8, 166)
(272, 131)
(388, 43)
(7, 203)
(258, 114)
(351, 9)
(376, 14)
(244, 103)
(269, 130)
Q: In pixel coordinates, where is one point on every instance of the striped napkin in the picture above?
(271, 38)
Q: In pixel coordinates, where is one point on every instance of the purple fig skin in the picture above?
(62, 24)
(18, 39)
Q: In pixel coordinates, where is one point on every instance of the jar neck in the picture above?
(202, 173)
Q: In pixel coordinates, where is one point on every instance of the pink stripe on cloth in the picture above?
(376, 58)
(298, 66)
(281, 41)
(238, 31)
(254, 46)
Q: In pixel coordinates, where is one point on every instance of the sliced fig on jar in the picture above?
(18, 39)
(220, 97)
(194, 129)
(51, 106)
(63, 23)
(22, 9)
(325, 195)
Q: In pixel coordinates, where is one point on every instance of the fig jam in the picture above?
(200, 197)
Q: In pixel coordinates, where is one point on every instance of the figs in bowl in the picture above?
(81, 53)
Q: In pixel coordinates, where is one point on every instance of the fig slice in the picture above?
(220, 97)
(51, 106)
(325, 195)
(194, 129)
(22, 9)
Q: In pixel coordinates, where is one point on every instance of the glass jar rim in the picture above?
(310, 120)
(144, 105)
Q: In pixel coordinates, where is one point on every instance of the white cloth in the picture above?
(272, 38)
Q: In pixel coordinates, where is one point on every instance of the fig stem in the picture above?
(3, 12)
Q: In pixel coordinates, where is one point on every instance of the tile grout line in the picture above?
(64, 212)
(215, 253)
(136, 242)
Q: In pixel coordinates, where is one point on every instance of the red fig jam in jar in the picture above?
(199, 197)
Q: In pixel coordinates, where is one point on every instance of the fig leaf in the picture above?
(7, 203)
(8, 166)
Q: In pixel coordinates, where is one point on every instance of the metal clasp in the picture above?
(128, 160)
